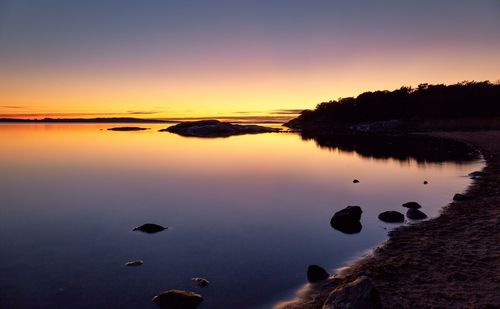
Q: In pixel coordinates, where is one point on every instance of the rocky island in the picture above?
(215, 128)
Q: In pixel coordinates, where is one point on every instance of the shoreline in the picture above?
(451, 261)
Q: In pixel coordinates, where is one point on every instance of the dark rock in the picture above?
(215, 128)
(134, 263)
(425, 182)
(459, 277)
(360, 293)
(200, 281)
(476, 175)
(127, 129)
(347, 220)
(149, 228)
(316, 273)
(460, 197)
(415, 214)
(413, 205)
(178, 299)
(391, 217)
(355, 181)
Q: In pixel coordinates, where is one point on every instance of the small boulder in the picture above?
(412, 205)
(476, 175)
(391, 217)
(178, 299)
(149, 228)
(347, 220)
(200, 281)
(355, 181)
(460, 197)
(425, 182)
(361, 293)
(316, 273)
(134, 263)
(415, 214)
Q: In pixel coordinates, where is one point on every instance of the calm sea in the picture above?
(249, 213)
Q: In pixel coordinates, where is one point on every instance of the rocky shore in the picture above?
(452, 261)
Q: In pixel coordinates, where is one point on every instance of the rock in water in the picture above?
(355, 181)
(415, 214)
(200, 281)
(413, 205)
(149, 228)
(425, 182)
(460, 197)
(347, 220)
(476, 175)
(316, 273)
(360, 293)
(127, 129)
(134, 263)
(391, 217)
(215, 128)
(178, 299)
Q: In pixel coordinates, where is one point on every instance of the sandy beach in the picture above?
(452, 261)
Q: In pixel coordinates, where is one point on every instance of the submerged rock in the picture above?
(415, 214)
(412, 205)
(360, 293)
(215, 128)
(355, 181)
(460, 197)
(127, 129)
(425, 182)
(316, 273)
(200, 281)
(391, 217)
(347, 220)
(178, 299)
(134, 263)
(149, 228)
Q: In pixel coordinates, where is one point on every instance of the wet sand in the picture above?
(452, 261)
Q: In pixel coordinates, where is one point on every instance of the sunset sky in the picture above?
(168, 59)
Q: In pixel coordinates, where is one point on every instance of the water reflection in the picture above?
(422, 149)
(249, 213)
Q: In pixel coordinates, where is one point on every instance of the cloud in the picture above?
(141, 112)
(11, 106)
(288, 111)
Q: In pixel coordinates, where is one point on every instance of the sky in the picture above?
(183, 58)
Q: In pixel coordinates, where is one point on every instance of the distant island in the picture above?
(84, 120)
(462, 106)
(215, 128)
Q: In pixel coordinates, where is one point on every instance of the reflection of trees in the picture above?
(400, 147)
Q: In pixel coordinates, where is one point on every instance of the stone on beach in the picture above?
(413, 205)
(361, 293)
(200, 281)
(347, 220)
(178, 299)
(415, 214)
(391, 217)
(149, 228)
(355, 181)
(316, 273)
(426, 182)
(134, 263)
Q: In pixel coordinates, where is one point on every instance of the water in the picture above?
(249, 213)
